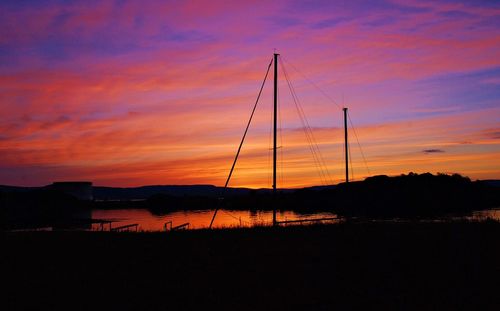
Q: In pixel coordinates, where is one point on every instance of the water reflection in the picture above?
(197, 219)
(490, 213)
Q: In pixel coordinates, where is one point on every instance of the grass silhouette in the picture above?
(411, 266)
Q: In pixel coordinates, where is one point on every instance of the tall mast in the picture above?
(346, 147)
(275, 130)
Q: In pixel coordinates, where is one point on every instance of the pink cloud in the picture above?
(139, 86)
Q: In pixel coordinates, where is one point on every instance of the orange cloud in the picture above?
(160, 92)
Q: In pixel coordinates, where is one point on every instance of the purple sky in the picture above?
(158, 92)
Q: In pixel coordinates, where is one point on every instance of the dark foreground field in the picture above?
(348, 266)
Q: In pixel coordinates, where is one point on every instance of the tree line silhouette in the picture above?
(411, 195)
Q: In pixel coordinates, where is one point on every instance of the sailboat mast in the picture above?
(275, 131)
(346, 147)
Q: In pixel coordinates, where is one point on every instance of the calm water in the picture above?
(491, 213)
(197, 219)
(201, 218)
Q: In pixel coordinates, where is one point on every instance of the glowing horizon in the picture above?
(125, 93)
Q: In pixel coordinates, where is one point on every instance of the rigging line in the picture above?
(301, 117)
(316, 146)
(317, 151)
(312, 138)
(350, 161)
(306, 131)
(313, 84)
(359, 145)
(236, 218)
(243, 138)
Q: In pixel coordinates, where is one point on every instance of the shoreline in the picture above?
(411, 266)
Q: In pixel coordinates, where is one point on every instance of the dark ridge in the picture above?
(414, 195)
(144, 192)
(491, 182)
(5, 188)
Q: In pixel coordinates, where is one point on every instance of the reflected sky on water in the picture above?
(197, 219)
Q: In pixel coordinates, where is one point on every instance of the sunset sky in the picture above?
(128, 93)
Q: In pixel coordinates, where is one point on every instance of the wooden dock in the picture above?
(168, 226)
(126, 228)
(301, 221)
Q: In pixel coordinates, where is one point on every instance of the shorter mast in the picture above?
(346, 146)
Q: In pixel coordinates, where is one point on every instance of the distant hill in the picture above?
(492, 182)
(412, 195)
(144, 192)
(376, 190)
(17, 189)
